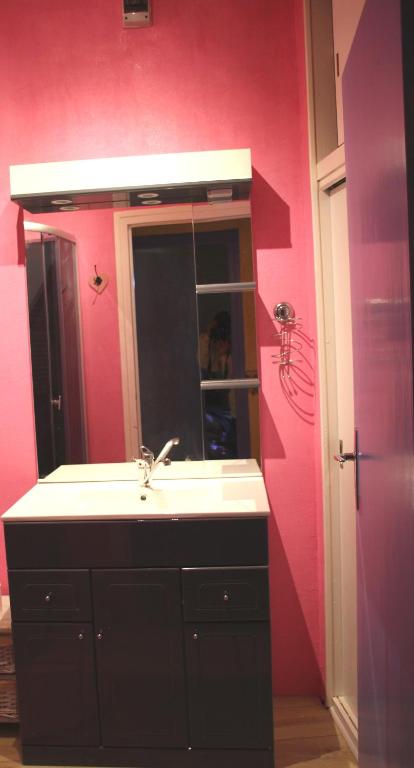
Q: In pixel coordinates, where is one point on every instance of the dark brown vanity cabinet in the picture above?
(56, 683)
(228, 650)
(140, 659)
(228, 685)
(122, 664)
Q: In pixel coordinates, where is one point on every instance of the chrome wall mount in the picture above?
(285, 314)
(295, 361)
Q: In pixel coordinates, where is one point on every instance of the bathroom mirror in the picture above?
(185, 309)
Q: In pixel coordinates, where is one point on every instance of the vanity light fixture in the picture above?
(117, 181)
(147, 195)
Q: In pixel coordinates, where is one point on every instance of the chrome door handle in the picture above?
(355, 456)
(343, 457)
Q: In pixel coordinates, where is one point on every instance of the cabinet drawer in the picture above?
(225, 594)
(50, 595)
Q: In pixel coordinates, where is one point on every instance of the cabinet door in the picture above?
(230, 701)
(56, 684)
(140, 658)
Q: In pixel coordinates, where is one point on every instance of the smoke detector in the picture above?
(136, 13)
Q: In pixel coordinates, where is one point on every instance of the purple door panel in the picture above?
(376, 166)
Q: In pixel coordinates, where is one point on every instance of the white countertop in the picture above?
(76, 473)
(123, 499)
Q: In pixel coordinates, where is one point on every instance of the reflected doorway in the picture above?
(55, 344)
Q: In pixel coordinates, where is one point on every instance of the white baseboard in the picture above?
(346, 723)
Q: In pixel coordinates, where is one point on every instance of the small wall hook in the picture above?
(98, 281)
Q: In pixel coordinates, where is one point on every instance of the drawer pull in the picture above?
(80, 636)
(99, 636)
(48, 597)
(226, 596)
(195, 636)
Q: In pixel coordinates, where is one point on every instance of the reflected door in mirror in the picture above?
(55, 352)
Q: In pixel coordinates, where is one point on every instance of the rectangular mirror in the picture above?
(186, 312)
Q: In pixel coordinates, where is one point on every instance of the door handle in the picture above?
(342, 457)
(57, 402)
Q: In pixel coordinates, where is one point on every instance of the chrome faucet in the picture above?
(148, 461)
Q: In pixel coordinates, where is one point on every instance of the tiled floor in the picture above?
(305, 737)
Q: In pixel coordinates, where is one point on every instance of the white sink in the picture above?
(242, 496)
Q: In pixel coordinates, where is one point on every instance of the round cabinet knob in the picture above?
(80, 636)
(226, 596)
(48, 597)
(99, 636)
(195, 636)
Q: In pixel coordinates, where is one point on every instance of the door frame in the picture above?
(124, 222)
(323, 175)
(329, 404)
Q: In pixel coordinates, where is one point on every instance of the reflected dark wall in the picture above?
(184, 338)
(166, 314)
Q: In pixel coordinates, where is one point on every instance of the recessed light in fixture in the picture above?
(70, 208)
(151, 202)
(64, 201)
(147, 195)
(219, 195)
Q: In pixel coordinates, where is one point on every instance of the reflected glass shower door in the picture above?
(55, 351)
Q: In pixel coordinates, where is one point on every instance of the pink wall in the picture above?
(77, 85)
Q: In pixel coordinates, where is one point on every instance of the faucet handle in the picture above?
(147, 454)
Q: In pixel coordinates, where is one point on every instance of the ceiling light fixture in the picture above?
(151, 202)
(61, 202)
(70, 208)
(147, 195)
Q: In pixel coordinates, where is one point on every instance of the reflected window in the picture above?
(196, 338)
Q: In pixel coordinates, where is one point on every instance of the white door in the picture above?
(338, 329)
(346, 636)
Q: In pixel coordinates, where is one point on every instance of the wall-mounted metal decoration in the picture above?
(295, 361)
(284, 313)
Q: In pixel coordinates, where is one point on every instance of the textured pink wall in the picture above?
(77, 85)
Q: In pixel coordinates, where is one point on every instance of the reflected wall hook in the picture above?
(98, 281)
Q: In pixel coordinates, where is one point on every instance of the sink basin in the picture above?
(242, 496)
